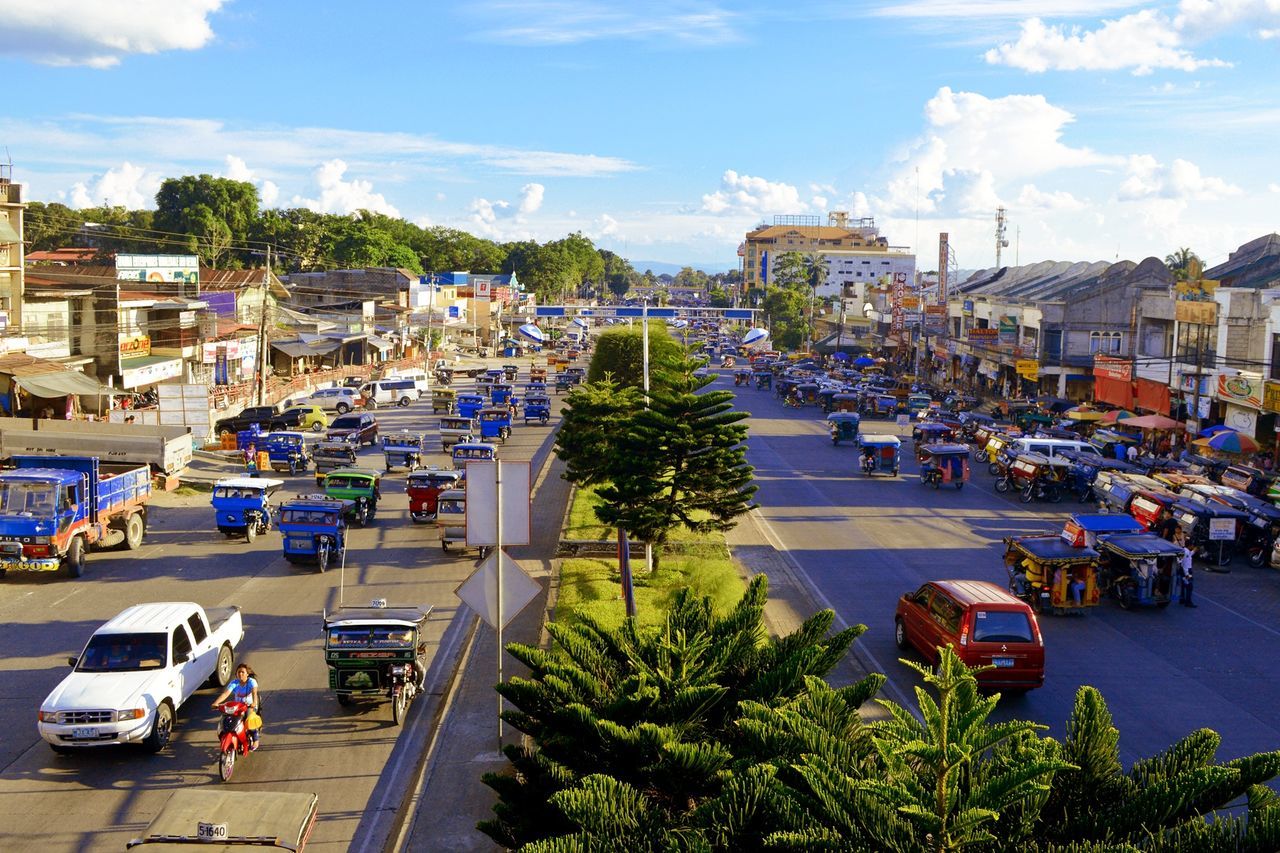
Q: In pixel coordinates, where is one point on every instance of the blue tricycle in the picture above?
(537, 408)
(879, 453)
(495, 423)
(407, 449)
(469, 405)
(242, 506)
(287, 451)
(314, 529)
(500, 393)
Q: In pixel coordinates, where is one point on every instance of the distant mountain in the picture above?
(661, 268)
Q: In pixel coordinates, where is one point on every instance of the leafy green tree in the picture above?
(691, 278)
(595, 416)
(635, 743)
(619, 354)
(784, 308)
(1184, 264)
(214, 214)
(681, 462)
(618, 273)
(718, 297)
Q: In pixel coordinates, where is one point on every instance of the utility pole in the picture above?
(1195, 406)
(644, 355)
(261, 360)
(431, 308)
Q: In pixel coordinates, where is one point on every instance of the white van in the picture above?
(417, 377)
(1049, 446)
(387, 392)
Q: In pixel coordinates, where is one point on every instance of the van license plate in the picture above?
(84, 734)
(1002, 662)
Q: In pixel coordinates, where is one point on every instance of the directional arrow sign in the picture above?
(480, 591)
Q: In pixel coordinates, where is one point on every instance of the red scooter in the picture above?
(233, 736)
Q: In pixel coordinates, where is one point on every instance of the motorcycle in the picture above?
(233, 736)
(1041, 490)
(868, 463)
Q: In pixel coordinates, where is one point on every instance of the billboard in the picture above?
(182, 270)
(983, 336)
(944, 255)
(1008, 330)
(935, 319)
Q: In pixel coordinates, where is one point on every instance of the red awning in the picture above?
(1153, 396)
(1117, 392)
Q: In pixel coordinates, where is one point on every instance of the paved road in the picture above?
(349, 756)
(865, 542)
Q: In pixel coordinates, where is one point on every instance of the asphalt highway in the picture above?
(354, 758)
(863, 542)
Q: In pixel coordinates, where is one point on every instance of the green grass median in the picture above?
(592, 585)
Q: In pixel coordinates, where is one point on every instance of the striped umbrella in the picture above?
(1228, 441)
(533, 333)
(1215, 429)
(1117, 416)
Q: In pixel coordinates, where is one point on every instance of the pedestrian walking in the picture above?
(1186, 581)
(251, 460)
(1132, 453)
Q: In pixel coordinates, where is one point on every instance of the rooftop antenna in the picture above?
(1001, 230)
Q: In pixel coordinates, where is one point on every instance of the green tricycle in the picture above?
(361, 486)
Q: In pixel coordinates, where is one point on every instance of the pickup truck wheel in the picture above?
(161, 730)
(344, 700)
(900, 635)
(134, 529)
(74, 561)
(223, 669)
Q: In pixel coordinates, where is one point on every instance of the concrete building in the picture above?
(856, 255)
(11, 261)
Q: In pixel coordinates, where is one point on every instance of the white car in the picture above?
(340, 400)
(136, 672)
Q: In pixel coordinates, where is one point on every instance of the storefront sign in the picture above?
(1187, 384)
(1008, 330)
(935, 319)
(135, 347)
(1241, 390)
(233, 350)
(151, 373)
(1222, 529)
(1271, 397)
(899, 293)
(1195, 311)
(1112, 368)
(968, 308)
(1027, 368)
(984, 336)
(208, 353)
(944, 262)
(911, 303)
(1240, 418)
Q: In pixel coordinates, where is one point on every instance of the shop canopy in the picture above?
(63, 383)
(1152, 422)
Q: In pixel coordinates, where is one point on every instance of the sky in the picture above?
(665, 130)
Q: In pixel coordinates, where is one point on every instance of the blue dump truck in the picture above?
(54, 509)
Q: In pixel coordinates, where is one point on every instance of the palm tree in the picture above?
(815, 271)
(1184, 263)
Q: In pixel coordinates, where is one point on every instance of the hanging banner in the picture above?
(944, 256)
(208, 353)
(899, 290)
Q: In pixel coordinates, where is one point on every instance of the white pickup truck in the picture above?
(136, 671)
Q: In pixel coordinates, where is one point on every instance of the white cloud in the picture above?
(238, 170)
(998, 8)
(344, 197)
(607, 226)
(1143, 41)
(127, 186)
(688, 23)
(1201, 17)
(1269, 34)
(1275, 188)
(531, 198)
(99, 34)
(744, 195)
(1179, 181)
(1032, 197)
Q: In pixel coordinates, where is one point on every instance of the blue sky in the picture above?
(665, 130)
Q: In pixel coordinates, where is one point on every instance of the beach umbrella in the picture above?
(1228, 441)
(863, 361)
(1153, 422)
(579, 322)
(755, 337)
(1216, 428)
(533, 333)
(1117, 416)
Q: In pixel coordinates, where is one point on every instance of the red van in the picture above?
(984, 623)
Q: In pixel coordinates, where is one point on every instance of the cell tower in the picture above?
(1001, 229)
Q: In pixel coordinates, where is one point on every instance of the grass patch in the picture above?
(592, 586)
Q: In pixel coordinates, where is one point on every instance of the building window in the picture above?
(1275, 357)
(1197, 344)
(1104, 343)
(1053, 343)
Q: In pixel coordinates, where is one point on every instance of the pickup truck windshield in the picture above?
(33, 498)
(123, 653)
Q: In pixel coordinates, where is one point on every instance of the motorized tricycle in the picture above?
(1213, 531)
(741, 377)
(242, 506)
(1083, 529)
(314, 529)
(444, 401)
(845, 401)
(495, 423)
(1138, 569)
(1035, 476)
(469, 405)
(404, 448)
(451, 518)
(1246, 478)
(1209, 467)
(933, 432)
(1084, 471)
(879, 453)
(1115, 490)
(500, 393)
(538, 374)
(806, 393)
(510, 372)
(1152, 507)
(287, 451)
(1259, 534)
(1052, 575)
(377, 652)
(880, 406)
(537, 407)
(971, 422)
(917, 403)
(943, 464)
(564, 383)
(220, 819)
(424, 487)
(764, 379)
(454, 429)
(535, 389)
(361, 486)
(332, 455)
(843, 426)
(472, 451)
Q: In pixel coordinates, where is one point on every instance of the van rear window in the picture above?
(1002, 626)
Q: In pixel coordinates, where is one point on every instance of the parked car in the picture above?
(390, 392)
(260, 415)
(340, 400)
(985, 624)
(136, 671)
(357, 428)
(303, 417)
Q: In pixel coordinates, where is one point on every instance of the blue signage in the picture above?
(549, 311)
(764, 266)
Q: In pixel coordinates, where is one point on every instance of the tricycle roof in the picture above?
(1139, 545)
(434, 474)
(1110, 522)
(945, 449)
(256, 484)
(453, 495)
(880, 441)
(1051, 548)
(471, 398)
(494, 411)
(343, 447)
(406, 615)
(477, 446)
(454, 422)
(354, 472)
(258, 818)
(322, 502)
(844, 416)
(281, 433)
(403, 438)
